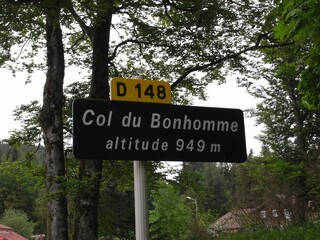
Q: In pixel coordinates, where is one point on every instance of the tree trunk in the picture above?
(86, 220)
(51, 123)
(300, 114)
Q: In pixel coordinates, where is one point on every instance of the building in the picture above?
(7, 233)
(266, 215)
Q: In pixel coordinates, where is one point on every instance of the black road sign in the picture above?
(117, 130)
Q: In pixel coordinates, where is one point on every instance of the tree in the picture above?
(27, 115)
(209, 183)
(292, 130)
(51, 122)
(216, 189)
(298, 20)
(21, 182)
(268, 179)
(116, 213)
(169, 215)
(250, 184)
(35, 18)
(86, 219)
(51, 113)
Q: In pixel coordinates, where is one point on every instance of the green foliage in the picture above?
(116, 205)
(21, 36)
(27, 115)
(157, 40)
(19, 221)
(116, 213)
(291, 128)
(265, 178)
(211, 187)
(20, 183)
(191, 36)
(22, 187)
(299, 21)
(248, 192)
(169, 216)
(308, 231)
(310, 82)
(216, 188)
(29, 132)
(209, 183)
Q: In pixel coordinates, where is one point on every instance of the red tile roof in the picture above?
(7, 233)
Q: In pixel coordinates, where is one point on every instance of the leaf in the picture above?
(280, 30)
(293, 13)
(300, 36)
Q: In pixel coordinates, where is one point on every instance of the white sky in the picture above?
(229, 95)
(14, 92)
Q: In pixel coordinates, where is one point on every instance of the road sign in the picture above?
(137, 90)
(143, 131)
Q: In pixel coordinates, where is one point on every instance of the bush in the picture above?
(308, 231)
(19, 221)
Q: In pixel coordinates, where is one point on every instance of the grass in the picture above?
(309, 231)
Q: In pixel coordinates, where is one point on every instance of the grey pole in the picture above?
(196, 203)
(141, 200)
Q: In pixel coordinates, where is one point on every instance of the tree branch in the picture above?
(222, 59)
(166, 11)
(24, 1)
(114, 54)
(77, 41)
(174, 5)
(81, 23)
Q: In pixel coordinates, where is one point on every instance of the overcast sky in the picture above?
(14, 92)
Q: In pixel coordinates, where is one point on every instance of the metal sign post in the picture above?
(141, 200)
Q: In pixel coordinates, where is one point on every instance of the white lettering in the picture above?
(155, 145)
(196, 124)
(176, 123)
(136, 144)
(215, 147)
(109, 119)
(208, 125)
(223, 126)
(186, 123)
(234, 127)
(131, 121)
(109, 144)
(84, 120)
(164, 146)
(126, 120)
(166, 123)
(101, 120)
(155, 123)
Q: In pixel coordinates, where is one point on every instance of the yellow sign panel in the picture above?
(137, 90)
